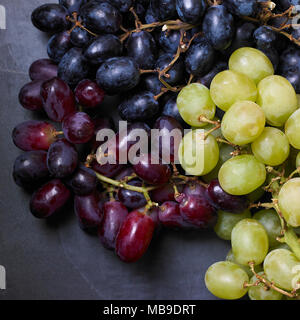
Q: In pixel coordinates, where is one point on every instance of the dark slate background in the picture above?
(56, 260)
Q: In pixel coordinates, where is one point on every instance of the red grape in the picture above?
(58, 99)
(224, 201)
(30, 169)
(114, 213)
(168, 125)
(43, 69)
(49, 199)
(196, 210)
(152, 173)
(83, 181)
(78, 127)
(88, 210)
(34, 135)
(169, 215)
(134, 236)
(88, 94)
(194, 189)
(99, 124)
(30, 96)
(164, 193)
(132, 199)
(62, 158)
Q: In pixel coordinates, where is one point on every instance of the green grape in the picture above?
(289, 202)
(242, 174)
(289, 165)
(298, 98)
(298, 160)
(271, 147)
(243, 122)
(247, 269)
(198, 155)
(226, 280)
(282, 267)
(278, 99)
(281, 246)
(194, 101)
(228, 87)
(255, 195)
(226, 221)
(260, 293)
(251, 62)
(249, 241)
(225, 154)
(270, 220)
(292, 129)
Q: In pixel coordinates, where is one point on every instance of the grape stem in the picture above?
(78, 23)
(268, 284)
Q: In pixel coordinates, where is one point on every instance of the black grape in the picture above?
(190, 11)
(150, 16)
(117, 75)
(103, 47)
(164, 9)
(170, 109)
(176, 72)
(200, 58)
(264, 37)
(62, 158)
(72, 5)
(207, 79)
(169, 40)
(142, 48)
(100, 17)
(218, 27)
(73, 67)
(242, 7)
(80, 37)
(30, 169)
(272, 54)
(58, 45)
(50, 18)
(151, 82)
(139, 107)
(122, 5)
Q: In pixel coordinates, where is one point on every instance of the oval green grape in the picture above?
(226, 280)
(228, 87)
(243, 122)
(249, 241)
(270, 220)
(271, 147)
(278, 99)
(194, 101)
(282, 267)
(289, 202)
(242, 174)
(292, 129)
(251, 62)
(198, 155)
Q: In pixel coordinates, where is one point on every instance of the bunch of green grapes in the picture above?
(254, 147)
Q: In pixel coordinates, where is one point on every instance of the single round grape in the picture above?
(251, 62)
(282, 267)
(271, 147)
(249, 241)
(242, 174)
(289, 202)
(259, 292)
(193, 101)
(292, 129)
(270, 220)
(197, 155)
(226, 280)
(243, 122)
(228, 87)
(277, 98)
(227, 220)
